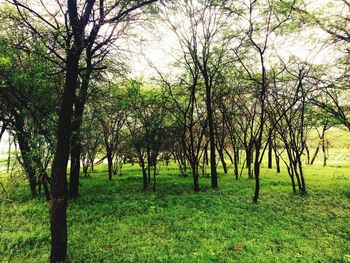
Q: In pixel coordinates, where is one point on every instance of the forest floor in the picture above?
(115, 221)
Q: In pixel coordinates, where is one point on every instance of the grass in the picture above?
(115, 221)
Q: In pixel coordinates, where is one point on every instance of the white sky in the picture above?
(308, 45)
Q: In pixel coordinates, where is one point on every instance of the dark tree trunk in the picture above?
(85, 168)
(154, 177)
(46, 189)
(195, 177)
(58, 208)
(92, 165)
(74, 165)
(278, 167)
(301, 173)
(144, 173)
(307, 154)
(9, 155)
(236, 160)
(148, 163)
(222, 158)
(257, 176)
(28, 163)
(44, 178)
(277, 158)
(269, 155)
(110, 164)
(324, 150)
(206, 158)
(229, 155)
(291, 175)
(75, 152)
(76, 127)
(315, 155)
(214, 175)
(249, 162)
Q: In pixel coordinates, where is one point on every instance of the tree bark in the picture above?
(236, 160)
(58, 202)
(75, 152)
(315, 155)
(27, 161)
(195, 177)
(214, 175)
(76, 128)
(110, 164)
(269, 155)
(256, 176)
(23, 142)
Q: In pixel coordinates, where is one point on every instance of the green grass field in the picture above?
(114, 221)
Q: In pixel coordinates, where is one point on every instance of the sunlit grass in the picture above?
(115, 221)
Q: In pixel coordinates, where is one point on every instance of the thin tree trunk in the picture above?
(195, 177)
(315, 155)
(9, 155)
(257, 175)
(26, 154)
(154, 177)
(214, 175)
(249, 163)
(236, 159)
(110, 164)
(269, 155)
(303, 185)
(307, 154)
(222, 159)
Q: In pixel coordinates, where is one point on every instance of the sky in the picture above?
(308, 45)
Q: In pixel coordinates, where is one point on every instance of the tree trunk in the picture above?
(277, 158)
(74, 165)
(214, 175)
(269, 155)
(236, 160)
(144, 173)
(75, 153)
(28, 163)
(249, 163)
(307, 154)
(9, 155)
(222, 158)
(257, 177)
(110, 164)
(291, 175)
(195, 177)
(148, 163)
(154, 177)
(58, 207)
(76, 127)
(303, 185)
(278, 167)
(206, 158)
(324, 151)
(315, 155)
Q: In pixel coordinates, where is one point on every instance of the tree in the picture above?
(27, 104)
(79, 31)
(263, 20)
(147, 125)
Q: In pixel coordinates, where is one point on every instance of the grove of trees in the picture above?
(231, 95)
